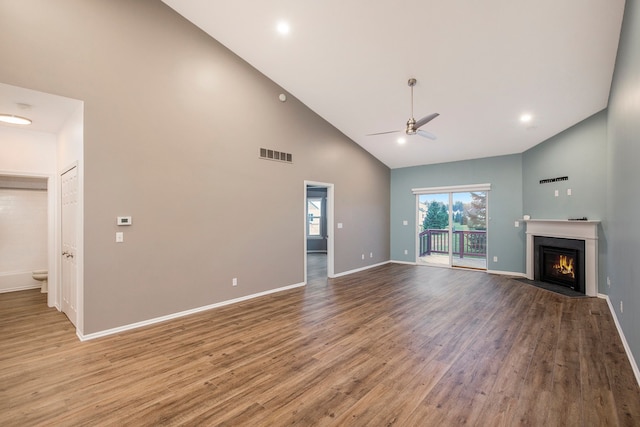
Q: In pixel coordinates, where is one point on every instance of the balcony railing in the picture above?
(465, 243)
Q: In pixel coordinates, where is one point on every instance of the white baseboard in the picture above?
(502, 273)
(346, 273)
(507, 273)
(180, 314)
(403, 262)
(20, 288)
(625, 344)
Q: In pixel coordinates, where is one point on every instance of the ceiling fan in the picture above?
(413, 125)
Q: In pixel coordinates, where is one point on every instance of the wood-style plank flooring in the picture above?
(395, 345)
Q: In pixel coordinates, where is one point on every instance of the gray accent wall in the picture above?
(580, 153)
(173, 123)
(623, 201)
(504, 173)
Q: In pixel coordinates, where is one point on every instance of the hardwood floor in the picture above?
(395, 345)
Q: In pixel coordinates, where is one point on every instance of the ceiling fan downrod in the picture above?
(411, 123)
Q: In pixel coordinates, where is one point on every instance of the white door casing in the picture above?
(69, 181)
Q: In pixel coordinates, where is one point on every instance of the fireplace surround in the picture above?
(584, 231)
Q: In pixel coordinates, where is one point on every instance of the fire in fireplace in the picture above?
(559, 261)
(564, 267)
(559, 266)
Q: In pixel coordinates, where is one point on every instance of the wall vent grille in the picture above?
(278, 156)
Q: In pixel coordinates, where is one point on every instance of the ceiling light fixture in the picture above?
(401, 141)
(12, 119)
(283, 27)
(526, 118)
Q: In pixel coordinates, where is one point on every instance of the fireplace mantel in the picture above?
(581, 230)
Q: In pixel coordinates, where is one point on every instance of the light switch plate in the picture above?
(119, 237)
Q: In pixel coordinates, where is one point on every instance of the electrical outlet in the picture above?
(406, 252)
(362, 256)
(495, 259)
(517, 224)
(234, 282)
(370, 254)
(405, 222)
(608, 282)
(557, 193)
(621, 307)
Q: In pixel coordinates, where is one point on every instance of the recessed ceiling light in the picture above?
(526, 118)
(14, 120)
(283, 27)
(401, 141)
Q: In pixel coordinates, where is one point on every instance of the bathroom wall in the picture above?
(23, 246)
(24, 212)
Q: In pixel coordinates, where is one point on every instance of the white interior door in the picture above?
(69, 215)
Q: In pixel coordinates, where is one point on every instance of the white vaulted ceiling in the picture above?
(480, 64)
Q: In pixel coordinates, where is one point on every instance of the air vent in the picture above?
(279, 156)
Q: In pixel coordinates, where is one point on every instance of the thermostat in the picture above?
(124, 220)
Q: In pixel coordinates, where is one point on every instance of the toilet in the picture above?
(41, 276)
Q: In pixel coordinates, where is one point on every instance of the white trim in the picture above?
(507, 273)
(452, 189)
(357, 270)
(403, 262)
(20, 288)
(330, 212)
(180, 314)
(625, 344)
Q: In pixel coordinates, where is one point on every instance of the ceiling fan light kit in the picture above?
(413, 125)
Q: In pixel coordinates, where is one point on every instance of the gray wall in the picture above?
(580, 153)
(173, 127)
(504, 173)
(623, 202)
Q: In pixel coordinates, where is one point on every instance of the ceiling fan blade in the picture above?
(425, 134)
(383, 133)
(426, 119)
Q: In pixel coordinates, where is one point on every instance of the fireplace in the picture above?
(559, 261)
(584, 232)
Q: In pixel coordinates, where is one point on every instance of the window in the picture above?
(314, 217)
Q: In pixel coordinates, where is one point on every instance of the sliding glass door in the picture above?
(452, 227)
(433, 229)
(469, 231)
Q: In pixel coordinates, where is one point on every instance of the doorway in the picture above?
(452, 226)
(318, 231)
